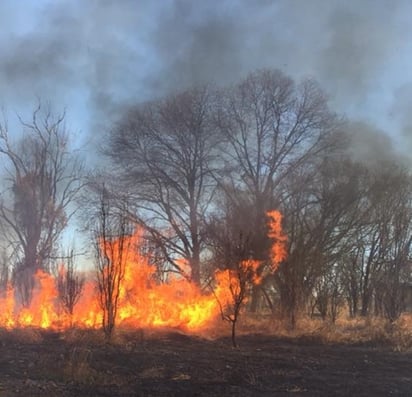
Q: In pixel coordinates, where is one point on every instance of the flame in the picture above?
(143, 301)
(279, 239)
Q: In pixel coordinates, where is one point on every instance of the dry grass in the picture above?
(368, 331)
(371, 331)
(402, 333)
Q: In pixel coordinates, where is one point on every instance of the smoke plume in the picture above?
(97, 57)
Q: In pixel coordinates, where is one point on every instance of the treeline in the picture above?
(199, 170)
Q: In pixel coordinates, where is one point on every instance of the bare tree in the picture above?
(232, 254)
(239, 271)
(390, 288)
(378, 264)
(43, 179)
(164, 152)
(273, 126)
(321, 205)
(329, 297)
(113, 246)
(237, 282)
(70, 284)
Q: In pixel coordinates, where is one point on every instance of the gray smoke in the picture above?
(401, 111)
(98, 56)
(371, 146)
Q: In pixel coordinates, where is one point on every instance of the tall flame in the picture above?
(143, 301)
(279, 239)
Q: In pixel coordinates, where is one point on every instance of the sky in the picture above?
(97, 57)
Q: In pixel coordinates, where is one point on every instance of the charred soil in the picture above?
(175, 364)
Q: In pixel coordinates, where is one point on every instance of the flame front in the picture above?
(143, 302)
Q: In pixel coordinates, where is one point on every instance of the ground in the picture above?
(174, 364)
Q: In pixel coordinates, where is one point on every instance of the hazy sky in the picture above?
(94, 57)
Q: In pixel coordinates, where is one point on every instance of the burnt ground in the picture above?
(173, 364)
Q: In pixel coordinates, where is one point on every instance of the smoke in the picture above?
(371, 146)
(358, 48)
(401, 111)
(97, 57)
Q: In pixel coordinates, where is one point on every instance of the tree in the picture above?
(272, 127)
(4, 271)
(238, 270)
(329, 293)
(43, 179)
(390, 289)
(69, 285)
(164, 152)
(377, 266)
(237, 283)
(322, 208)
(113, 245)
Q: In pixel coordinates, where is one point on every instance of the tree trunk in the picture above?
(255, 298)
(234, 333)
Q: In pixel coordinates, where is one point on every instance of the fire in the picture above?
(143, 301)
(279, 239)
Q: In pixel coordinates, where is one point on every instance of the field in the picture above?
(171, 363)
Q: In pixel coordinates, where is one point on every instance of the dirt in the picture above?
(174, 364)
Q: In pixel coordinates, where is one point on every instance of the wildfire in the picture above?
(143, 301)
(278, 250)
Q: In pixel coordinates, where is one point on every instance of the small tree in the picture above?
(236, 283)
(242, 273)
(113, 243)
(329, 294)
(69, 285)
(4, 271)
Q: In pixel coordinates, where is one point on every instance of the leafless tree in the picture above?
(238, 282)
(4, 271)
(329, 297)
(70, 284)
(321, 209)
(113, 246)
(273, 126)
(164, 152)
(377, 266)
(239, 270)
(42, 180)
(232, 249)
(396, 270)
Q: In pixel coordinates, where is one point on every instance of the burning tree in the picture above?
(69, 285)
(236, 282)
(113, 246)
(43, 181)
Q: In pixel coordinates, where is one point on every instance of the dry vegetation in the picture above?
(357, 357)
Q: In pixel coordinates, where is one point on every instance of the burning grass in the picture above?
(359, 331)
(372, 332)
(140, 300)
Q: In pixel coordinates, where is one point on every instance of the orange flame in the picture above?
(143, 301)
(278, 249)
